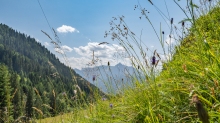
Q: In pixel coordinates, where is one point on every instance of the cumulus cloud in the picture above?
(66, 29)
(103, 50)
(105, 53)
(59, 50)
(82, 62)
(66, 48)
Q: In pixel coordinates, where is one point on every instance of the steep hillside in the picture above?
(36, 67)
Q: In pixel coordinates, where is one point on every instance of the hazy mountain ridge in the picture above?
(103, 73)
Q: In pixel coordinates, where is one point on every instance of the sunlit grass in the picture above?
(161, 96)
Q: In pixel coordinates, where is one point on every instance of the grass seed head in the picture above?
(171, 20)
(184, 67)
(213, 92)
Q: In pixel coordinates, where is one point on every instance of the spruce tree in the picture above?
(5, 95)
(16, 91)
(29, 103)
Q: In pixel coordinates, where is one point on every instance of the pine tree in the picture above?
(16, 100)
(45, 100)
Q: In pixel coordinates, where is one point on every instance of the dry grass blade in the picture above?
(37, 91)
(213, 92)
(46, 34)
(216, 84)
(53, 42)
(38, 110)
(14, 94)
(54, 93)
(155, 52)
(184, 67)
(161, 118)
(103, 43)
(158, 55)
(185, 118)
(157, 63)
(47, 106)
(150, 2)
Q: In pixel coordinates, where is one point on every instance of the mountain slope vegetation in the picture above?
(36, 74)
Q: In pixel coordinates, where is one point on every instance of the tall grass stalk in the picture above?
(192, 67)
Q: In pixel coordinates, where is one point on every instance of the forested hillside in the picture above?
(36, 78)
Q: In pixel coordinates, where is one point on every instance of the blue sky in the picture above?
(81, 24)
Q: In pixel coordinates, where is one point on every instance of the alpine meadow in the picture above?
(138, 73)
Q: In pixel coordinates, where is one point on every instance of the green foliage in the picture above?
(5, 95)
(31, 65)
(30, 103)
(193, 69)
(16, 95)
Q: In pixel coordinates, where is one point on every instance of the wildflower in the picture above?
(103, 99)
(64, 94)
(111, 105)
(159, 85)
(93, 78)
(162, 32)
(153, 60)
(171, 20)
(113, 116)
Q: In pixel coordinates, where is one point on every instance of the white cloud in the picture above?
(66, 29)
(103, 50)
(59, 50)
(169, 40)
(152, 46)
(37, 40)
(82, 62)
(105, 53)
(46, 44)
(66, 48)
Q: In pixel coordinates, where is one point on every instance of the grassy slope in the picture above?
(195, 69)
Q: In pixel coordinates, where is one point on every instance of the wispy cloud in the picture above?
(88, 38)
(66, 29)
(37, 40)
(46, 44)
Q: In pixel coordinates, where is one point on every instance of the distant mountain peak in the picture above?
(119, 64)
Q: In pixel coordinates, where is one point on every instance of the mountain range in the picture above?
(107, 75)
